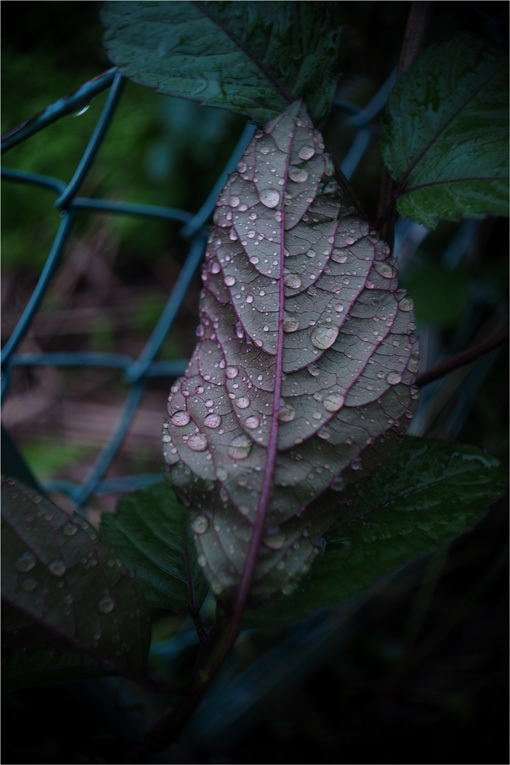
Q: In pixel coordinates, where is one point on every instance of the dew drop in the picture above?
(232, 372)
(25, 562)
(314, 370)
(290, 325)
(241, 167)
(323, 336)
(287, 413)
(393, 378)
(338, 483)
(212, 421)
(270, 197)
(338, 256)
(293, 281)
(222, 474)
(415, 393)
(240, 448)
(386, 270)
(275, 541)
(333, 402)
(234, 201)
(406, 304)
(57, 567)
(288, 589)
(200, 524)
(180, 418)
(230, 281)
(414, 364)
(298, 175)
(106, 604)
(243, 402)
(356, 464)
(306, 152)
(29, 584)
(252, 422)
(324, 433)
(197, 442)
(69, 529)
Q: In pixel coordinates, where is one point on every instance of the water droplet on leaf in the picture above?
(106, 604)
(197, 442)
(270, 197)
(212, 421)
(57, 567)
(306, 152)
(297, 174)
(240, 448)
(323, 336)
(200, 524)
(25, 562)
(393, 378)
(180, 418)
(293, 281)
(333, 402)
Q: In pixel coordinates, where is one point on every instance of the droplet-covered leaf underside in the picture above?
(301, 379)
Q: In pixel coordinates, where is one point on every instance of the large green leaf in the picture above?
(150, 532)
(301, 378)
(429, 492)
(446, 133)
(249, 57)
(64, 589)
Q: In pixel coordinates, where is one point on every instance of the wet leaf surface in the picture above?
(301, 379)
(150, 532)
(446, 133)
(429, 492)
(64, 589)
(253, 58)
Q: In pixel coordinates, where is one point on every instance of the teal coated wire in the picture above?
(35, 179)
(66, 105)
(39, 292)
(94, 143)
(207, 208)
(186, 275)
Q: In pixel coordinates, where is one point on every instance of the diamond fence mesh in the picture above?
(140, 369)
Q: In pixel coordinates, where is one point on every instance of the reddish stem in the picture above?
(461, 359)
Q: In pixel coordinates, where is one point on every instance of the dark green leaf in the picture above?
(249, 57)
(303, 374)
(429, 492)
(150, 532)
(446, 133)
(440, 296)
(64, 589)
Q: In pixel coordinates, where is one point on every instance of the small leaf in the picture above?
(63, 588)
(446, 133)
(302, 375)
(249, 57)
(429, 492)
(150, 532)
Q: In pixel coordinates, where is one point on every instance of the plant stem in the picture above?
(209, 661)
(411, 47)
(461, 359)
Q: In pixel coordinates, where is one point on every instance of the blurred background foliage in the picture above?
(416, 672)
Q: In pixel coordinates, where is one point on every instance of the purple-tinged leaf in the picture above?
(64, 589)
(302, 376)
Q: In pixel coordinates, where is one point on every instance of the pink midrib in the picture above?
(272, 446)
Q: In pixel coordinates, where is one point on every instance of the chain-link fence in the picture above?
(139, 370)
